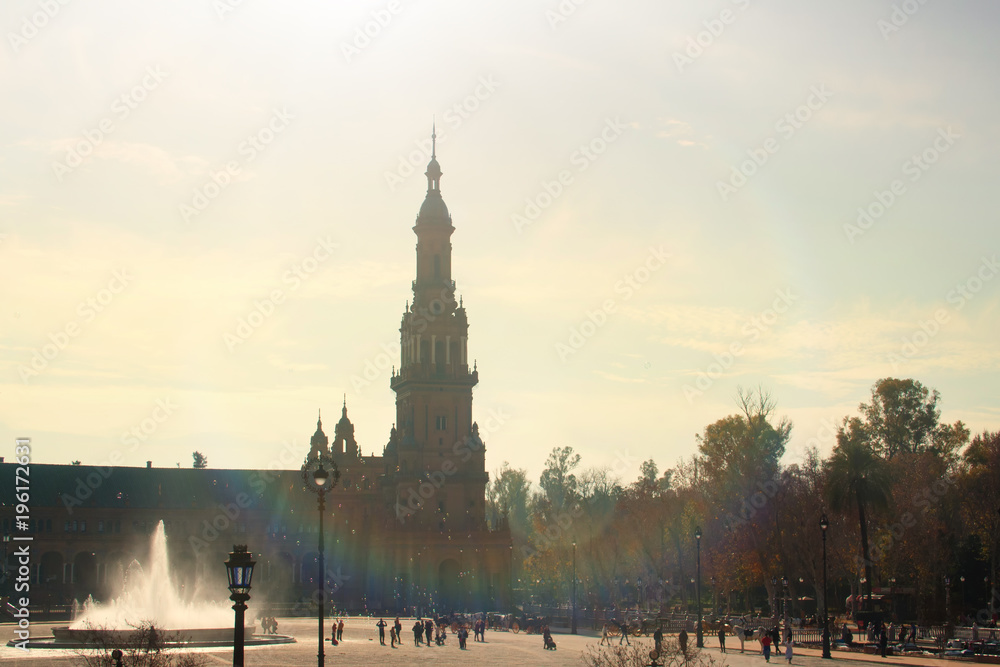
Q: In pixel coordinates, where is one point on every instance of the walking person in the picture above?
(624, 628)
(429, 630)
(399, 631)
(658, 639)
(883, 641)
(604, 635)
(381, 631)
(765, 646)
(722, 638)
(788, 648)
(392, 636)
(340, 630)
(682, 640)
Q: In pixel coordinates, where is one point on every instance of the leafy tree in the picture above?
(901, 417)
(740, 452)
(200, 460)
(648, 471)
(981, 501)
(507, 497)
(558, 481)
(857, 477)
(75, 463)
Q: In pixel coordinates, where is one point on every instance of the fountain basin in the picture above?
(89, 636)
(68, 638)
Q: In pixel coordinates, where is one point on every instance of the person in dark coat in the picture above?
(429, 630)
(381, 631)
(722, 638)
(682, 639)
(883, 641)
(418, 632)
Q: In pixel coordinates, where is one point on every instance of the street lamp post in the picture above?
(715, 597)
(947, 598)
(700, 640)
(239, 567)
(784, 601)
(823, 525)
(892, 594)
(510, 577)
(572, 628)
(320, 480)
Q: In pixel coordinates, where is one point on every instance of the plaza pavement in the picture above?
(361, 647)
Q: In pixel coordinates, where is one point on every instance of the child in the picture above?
(788, 649)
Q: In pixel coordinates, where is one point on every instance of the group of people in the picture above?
(395, 632)
(773, 637)
(337, 631)
(881, 635)
(424, 632)
(622, 628)
(269, 625)
(427, 631)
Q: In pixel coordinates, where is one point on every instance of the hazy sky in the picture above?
(654, 203)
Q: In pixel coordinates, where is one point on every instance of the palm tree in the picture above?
(857, 476)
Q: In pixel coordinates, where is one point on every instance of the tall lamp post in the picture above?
(319, 479)
(784, 602)
(947, 599)
(572, 627)
(700, 640)
(823, 525)
(715, 597)
(239, 567)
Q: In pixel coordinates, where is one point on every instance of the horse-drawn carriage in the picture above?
(530, 624)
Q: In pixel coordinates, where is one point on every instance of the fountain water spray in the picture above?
(151, 597)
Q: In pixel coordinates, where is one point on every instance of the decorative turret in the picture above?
(393, 445)
(343, 434)
(319, 443)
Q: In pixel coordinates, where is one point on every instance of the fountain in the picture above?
(150, 598)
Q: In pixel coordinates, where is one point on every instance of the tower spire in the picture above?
(433, 172)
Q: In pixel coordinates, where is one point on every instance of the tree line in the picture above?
(912, 505)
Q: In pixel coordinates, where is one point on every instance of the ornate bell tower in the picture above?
(441, 459)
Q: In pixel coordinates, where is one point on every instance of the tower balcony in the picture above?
(433, 282)
(451, 374)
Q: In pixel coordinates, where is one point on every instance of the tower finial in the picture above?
(319, 418)
(433, 139)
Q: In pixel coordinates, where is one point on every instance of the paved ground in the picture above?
(361, 647)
